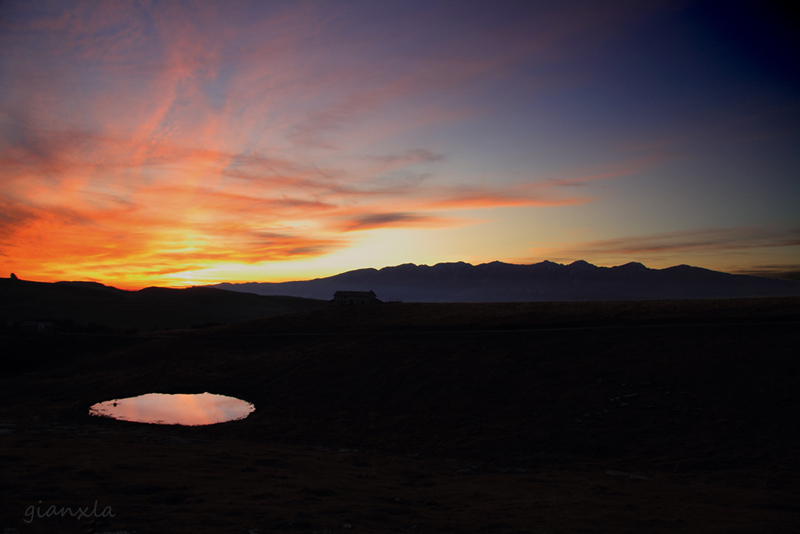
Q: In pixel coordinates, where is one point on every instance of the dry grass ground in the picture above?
(543, 417)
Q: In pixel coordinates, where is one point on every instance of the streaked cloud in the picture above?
(687, 244)
(618, 169)
(706, 239)
(391, 220)
(476, 198)
(779, 270)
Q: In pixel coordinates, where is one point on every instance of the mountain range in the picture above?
(545, 281)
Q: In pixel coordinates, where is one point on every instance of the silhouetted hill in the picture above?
(545, 281)
(76, 305)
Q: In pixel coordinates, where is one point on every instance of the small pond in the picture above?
(178, 409)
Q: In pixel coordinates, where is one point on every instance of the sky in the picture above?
(188, 143)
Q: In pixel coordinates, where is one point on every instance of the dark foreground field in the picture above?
(549, 417)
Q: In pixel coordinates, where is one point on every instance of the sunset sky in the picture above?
(186, 143)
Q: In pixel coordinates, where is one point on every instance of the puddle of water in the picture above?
(178, 409)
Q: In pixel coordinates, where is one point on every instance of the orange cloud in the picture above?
(580, 177)
(511, 197)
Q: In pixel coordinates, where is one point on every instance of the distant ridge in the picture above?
(545, 281)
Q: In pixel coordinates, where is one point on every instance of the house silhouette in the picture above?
(354, 298)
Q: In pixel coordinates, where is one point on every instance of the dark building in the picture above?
(354, 298)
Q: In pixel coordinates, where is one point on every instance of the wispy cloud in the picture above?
(705, 239)
(464, 197)
(371, 221)
(699, 243)
(626, 167)
(776, 270)
(417, 155)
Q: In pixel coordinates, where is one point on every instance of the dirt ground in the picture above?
(579, 417)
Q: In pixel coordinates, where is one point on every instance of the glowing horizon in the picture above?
(178, 145)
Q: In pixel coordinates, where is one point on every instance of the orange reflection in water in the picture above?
(178, 409)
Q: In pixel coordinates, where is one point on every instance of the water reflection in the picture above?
(178, 409)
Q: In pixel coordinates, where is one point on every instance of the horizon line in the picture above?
(787, 272)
